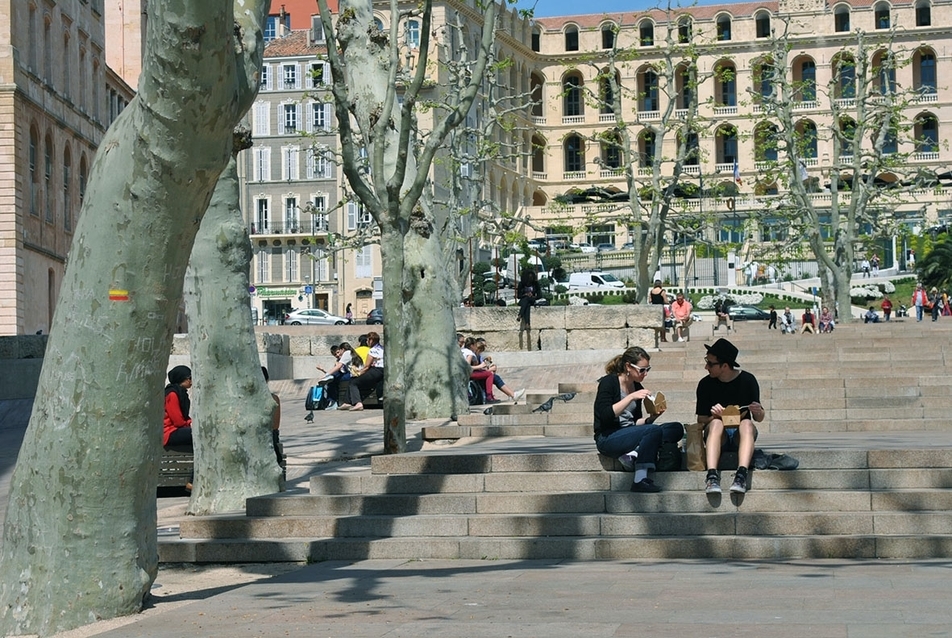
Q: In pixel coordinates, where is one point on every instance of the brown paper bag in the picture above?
(696, 452)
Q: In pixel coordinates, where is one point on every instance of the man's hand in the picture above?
(757, 411)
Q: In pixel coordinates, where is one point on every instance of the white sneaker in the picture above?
(680, 339)
(331, 406)
(518, 394)
(628, 460)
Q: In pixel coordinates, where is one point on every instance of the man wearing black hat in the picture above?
(727, 385)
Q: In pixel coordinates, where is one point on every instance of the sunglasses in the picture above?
(639, 370)
(710, 364)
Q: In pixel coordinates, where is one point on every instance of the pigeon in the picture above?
(567, 396)
(309, 417)
(488, 411)
(545, 407)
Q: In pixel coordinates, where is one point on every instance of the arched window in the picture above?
(923, 13)
(536, 83)
(764, 72)
(574, 152)
(884, 66)
(846, 137)
(413, 34)
(34, 172)
(571, 38)
(806, 139)
(844, 73)
(685, 29)
(924, 72)
(805, 80)
(762, 22)
(841, 18)
(927, 133)
(608, 36)
(723, 28)
(881, 16)
(646, 33)
(572, 104)
(726, 144)
(725, 84)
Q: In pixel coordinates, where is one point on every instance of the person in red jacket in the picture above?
(177, 425)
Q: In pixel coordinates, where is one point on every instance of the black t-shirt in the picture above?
(743, 390)
(608, 394)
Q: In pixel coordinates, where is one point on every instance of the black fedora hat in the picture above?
(725, 351)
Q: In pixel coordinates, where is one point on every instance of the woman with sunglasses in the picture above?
(620, 427)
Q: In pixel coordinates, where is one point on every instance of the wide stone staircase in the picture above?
(866, 411)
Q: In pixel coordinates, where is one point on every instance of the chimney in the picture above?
(283, 23)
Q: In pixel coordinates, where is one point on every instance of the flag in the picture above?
(737, 172)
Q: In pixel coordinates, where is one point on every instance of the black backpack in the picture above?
(475, 393)
(317, 398)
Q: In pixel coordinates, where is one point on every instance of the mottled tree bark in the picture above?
(231, 403)
(79, 539)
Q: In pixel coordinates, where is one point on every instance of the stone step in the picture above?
(562, 482)
(846, 546)
(604, 525)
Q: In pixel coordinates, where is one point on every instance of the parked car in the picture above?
(748, 313)
(313, 316)
(586, 248)
(375, 317)
(593, 280)
(604, 248)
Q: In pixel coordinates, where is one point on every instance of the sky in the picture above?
(549, 8)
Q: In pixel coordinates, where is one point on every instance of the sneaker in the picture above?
(712, 485)
(628, 461)
(518, 394)
(331, 406)
(680, 339)
(493, 401)
(645, 485)
(739, 486)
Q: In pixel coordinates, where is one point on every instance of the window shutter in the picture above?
(327, 116)
(261, 115)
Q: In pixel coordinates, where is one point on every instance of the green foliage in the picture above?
(935, 268)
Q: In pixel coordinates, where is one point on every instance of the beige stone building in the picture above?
(56, 101)
(733, 65)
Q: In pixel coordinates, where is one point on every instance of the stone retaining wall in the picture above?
(295, 351)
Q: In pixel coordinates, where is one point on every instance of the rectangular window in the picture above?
(321, 222)
(263, 256)
(320, 265)
(290, 119)
(261, 124)
(413, 34)
(320, 74)
(842, 21)
(261, 171)
(923, 15)
(265, 77)
(67, 198)
(364, 262)
(318, 117)
(357, 217)
(291, 215)
(291, 264)
(262, 221)
(289, 163)
(290, 76)
(316, 166)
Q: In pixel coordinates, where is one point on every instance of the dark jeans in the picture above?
(180, 441)
(363, 385)
(644, 438)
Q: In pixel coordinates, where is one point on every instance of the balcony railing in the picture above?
(573, 175)
(538, 119)
(926, 97)
(302, 227)
(649, 115)
(606, 117)
(925, 156)
(542, 176)
(573, 119)
(804, 105)
(725, 110)
(845, 102)
(611, 172)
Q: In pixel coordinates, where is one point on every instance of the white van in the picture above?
(593, 280)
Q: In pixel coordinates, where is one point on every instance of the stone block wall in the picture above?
(557, 328)
(21, 358)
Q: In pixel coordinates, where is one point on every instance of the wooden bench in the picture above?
(175, 468)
